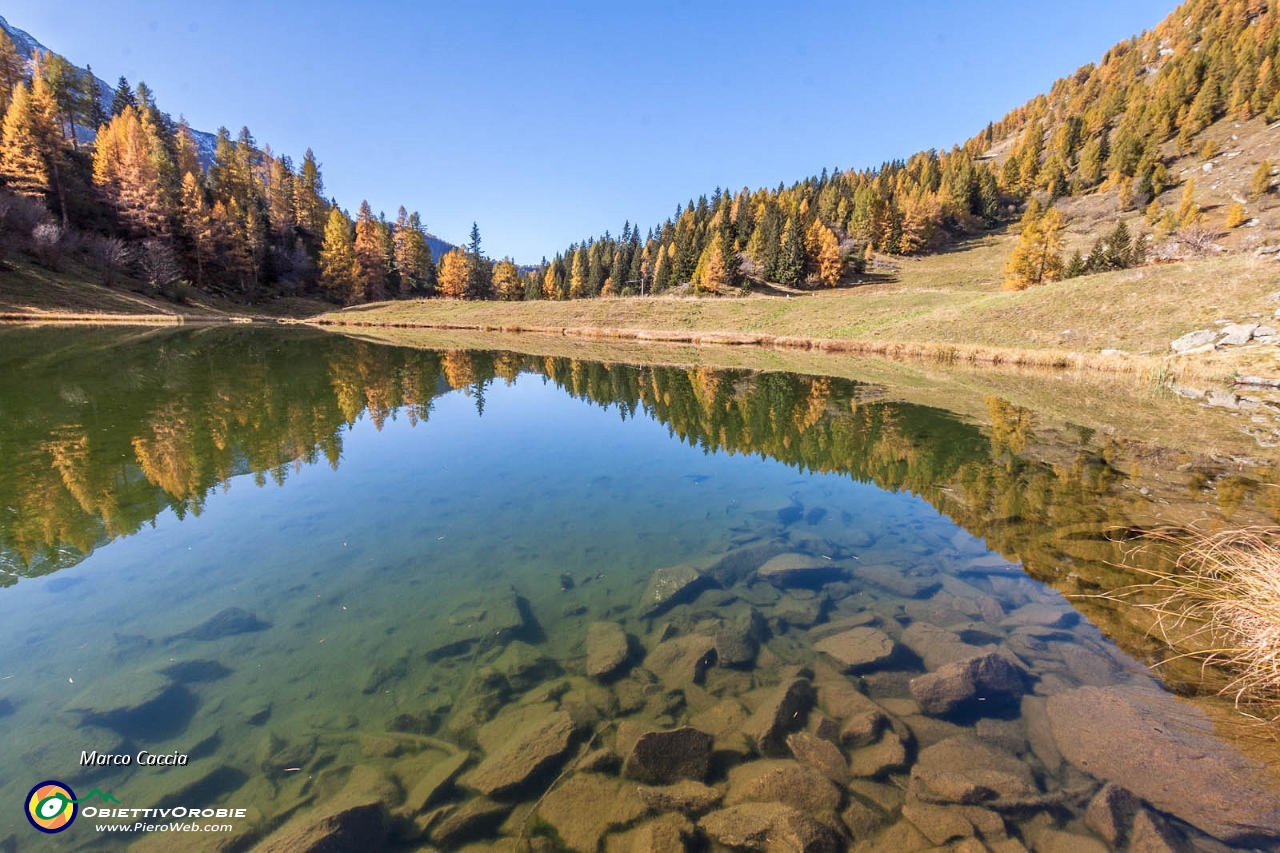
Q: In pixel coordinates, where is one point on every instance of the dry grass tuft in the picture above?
(1220, 604)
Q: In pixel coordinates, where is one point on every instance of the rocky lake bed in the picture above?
(758, 612)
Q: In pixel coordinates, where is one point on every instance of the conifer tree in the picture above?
(1188, 210)
(1260, 183)
(34, 159)
(413, 256)
(1075, 267)
(552, 280)
(23, 164)
(123, 97)
(578, 274)
(369, 255)
(789, 269)
(479, 275)
(597, 267)
(506, 281)
(280, 206)
(338, 266)
(712, 273)
(1092, 162)
(635, 271)
(455, 270)
(253, 237)
(91, 100)
(1119, 243)
(66, 89)
(1037, 258)
(308, 196)
(186, 158)
(829, 262)
(127, 172)
(1235, 216)
(197, 224)
(12, 70)
(661, 270)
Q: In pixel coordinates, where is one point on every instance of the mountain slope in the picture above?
(27, 45)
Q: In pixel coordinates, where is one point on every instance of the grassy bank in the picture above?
(946, 307)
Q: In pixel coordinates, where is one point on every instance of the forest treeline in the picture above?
(1107, 127)
(126, 190)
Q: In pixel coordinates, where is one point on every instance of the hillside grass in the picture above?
(949, 305)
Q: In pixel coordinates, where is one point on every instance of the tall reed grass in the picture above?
(1219, 603)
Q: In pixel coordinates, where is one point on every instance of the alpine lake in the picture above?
(463, 593)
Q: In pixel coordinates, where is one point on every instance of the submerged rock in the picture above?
(607, 649)
(899, 581)
(783, 711)
(384, 673)
(225, 623)
(276, 753)
(965, 771)
(524, 666)
(1111, 813)
(681, 661)
(858, 648)
(668, 756)
(941, 824)
(738, 644)
(529, 751)
(476, 625)
(666, 834)
(1152, 834)
(724, 721)
(474, 818)
(688, 797)
(735, 566)
(587, 806)
(938, 646)
(886, 755)
(195, 671)
(989, 682)
(795, 569)
(783, 781)
(137, 704)
(430, 776)
(820, 754)
(770, 828)
(355, 819)
(1165, 752)
(670, 586)
(802, 612)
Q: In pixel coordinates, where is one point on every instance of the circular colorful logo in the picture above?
(51, 806)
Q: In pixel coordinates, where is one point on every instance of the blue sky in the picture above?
(550, 122)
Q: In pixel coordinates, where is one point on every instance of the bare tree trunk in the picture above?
(62, 193)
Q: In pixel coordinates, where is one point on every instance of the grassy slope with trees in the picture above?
(1157, 153)
(1157, 158)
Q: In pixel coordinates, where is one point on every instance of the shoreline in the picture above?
(934, 352)
(931, 351)
(94, 319)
